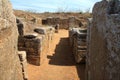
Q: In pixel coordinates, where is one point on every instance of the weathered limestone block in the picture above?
(10, 68)
(40, 30)
(24, 69)
(77, 38)
(22, 56)
(47, 31)
(20, 26)
(47, 37)
(32, 45)
(36, 44)
(103, 59)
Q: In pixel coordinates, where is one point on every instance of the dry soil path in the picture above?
(59, 63)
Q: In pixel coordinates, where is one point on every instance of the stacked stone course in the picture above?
(77, 38)
(64, 23)
(36, 44)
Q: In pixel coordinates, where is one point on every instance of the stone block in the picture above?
(40, 30)
(22, 55)
(24, 66)
(34, 60)
(103, 42)
(10, 68)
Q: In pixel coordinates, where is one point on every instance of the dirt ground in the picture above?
(59, 63)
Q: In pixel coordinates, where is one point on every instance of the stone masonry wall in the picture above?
(10, 68)
(103, 57)
(32, 46)
(36, 44)
(63, 23)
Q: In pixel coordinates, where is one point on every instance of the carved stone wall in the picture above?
(10, 68)
(103, 58)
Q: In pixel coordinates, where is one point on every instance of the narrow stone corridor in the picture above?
(59, 63)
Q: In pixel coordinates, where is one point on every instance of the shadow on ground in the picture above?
(81, 71)
(63, 57)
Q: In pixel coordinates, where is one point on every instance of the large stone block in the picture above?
(103, 56)
(10, 68)
(77, 37)
(20, 26)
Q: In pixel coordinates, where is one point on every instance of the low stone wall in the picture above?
(32, 46)
(36, 44)
(23, 60)
(63, 23)
(103, 58)
(77, 39)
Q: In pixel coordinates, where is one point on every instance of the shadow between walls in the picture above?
(63, 57)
